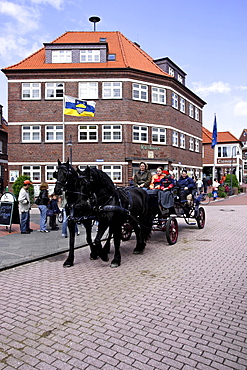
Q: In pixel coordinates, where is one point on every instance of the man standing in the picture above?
(24, 206)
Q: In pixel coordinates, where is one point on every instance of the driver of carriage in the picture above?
(186, 185)
(143, 177)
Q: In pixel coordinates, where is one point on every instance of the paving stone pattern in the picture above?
(174, 307)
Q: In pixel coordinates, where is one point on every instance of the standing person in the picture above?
(65, 219)
(24, 205)
(53, 206)
(199, 185)
(156, 179)
(143, 177)
(42, 202)
(205, 184)
(216, 185)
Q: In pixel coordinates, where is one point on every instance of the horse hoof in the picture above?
(93, 257)
(104, 257)
(68, 264)
(138, 251)
(115, 264)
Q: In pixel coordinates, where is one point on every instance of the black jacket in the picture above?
(43, 197)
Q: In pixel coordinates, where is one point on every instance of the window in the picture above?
(31, 91)
(88, 90)
(54, 133)
(174, 138)
(1, 146)
(197, 114)
(191, 143)
(112, 90)
(34, 172)
(61, 56)
(82, 167)
(49, 170)
(140, 133)
(140, 92)
(114, 172)
(31, 133)
(197, 146)
(225, 151)
(158, 135)
(174, 100)
(180, 79)
(111, 57)
(112, 133)
(182, 105)
(54, 90)
(182, 141)
(90, 56)
(191, 111)
(88, 133)
(171, 71)
(158, 95)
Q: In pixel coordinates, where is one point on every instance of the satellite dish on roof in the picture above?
(94, 19)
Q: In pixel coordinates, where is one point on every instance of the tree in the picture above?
(235, 183)
(18, 184)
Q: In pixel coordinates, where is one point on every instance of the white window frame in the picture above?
(34, 89)
(61, 56)
(88, 90)
(82, 167)
(114, 172)
(175, 100)
(182, 105)
(191, 144)
(191, 110)
(158, 95)
(182, 141)
(171, 71)
(48, 170)
(31, 130)
(196, 114)
(160, 134)
(31, 170)
(90, 56)
(139, 92)
(112, 90)
(180, 78)
(55, 130)
(87, 130)
(56, 87)
(140, 134)
(111, 131)
(197, 146)
(174, 138)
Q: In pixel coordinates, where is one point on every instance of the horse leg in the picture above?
(97, 241)
(88, 226)
(140, 243)
(116, 262)
(107, 244)
(70, 260)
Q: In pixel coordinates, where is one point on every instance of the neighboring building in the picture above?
(225, 158)
(3, 152)
(144, 111)
(243, 139)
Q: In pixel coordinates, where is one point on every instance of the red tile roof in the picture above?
(222, 137)
(128, 54)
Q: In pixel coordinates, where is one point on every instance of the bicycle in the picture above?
(204, 198)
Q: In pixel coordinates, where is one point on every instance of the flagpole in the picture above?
(63, 130)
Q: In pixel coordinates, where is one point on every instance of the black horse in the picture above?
(113, 207)
(68, 180)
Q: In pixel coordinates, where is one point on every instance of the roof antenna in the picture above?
(94, 19)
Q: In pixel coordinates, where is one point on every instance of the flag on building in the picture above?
(214, 136)
(78, 108)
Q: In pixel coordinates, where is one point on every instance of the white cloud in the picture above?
(240, 108)
(24, 17)
(55, 3)
(215, 87)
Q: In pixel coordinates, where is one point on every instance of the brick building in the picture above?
(243, 139)
(144, 111)
(3, 152)
(225, 158)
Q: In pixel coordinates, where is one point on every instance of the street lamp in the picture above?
(237, 153)
(69, 144)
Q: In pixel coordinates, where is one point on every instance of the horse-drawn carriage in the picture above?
(91, 195)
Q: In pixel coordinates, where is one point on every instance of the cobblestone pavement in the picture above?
(174, 307)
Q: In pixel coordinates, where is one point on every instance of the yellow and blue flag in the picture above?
(78, 108)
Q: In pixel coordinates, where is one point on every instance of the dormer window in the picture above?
(90, 56)
(111, 57)
(180, 79)
(102, 39)
(61, 56)
(171, 71)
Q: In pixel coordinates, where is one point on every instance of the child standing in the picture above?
(53, 207)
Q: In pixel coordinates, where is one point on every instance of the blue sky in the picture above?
(206, 38)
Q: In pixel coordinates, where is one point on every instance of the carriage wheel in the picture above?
(172, 230)
(60, 217)
(126, 231)
(205, 199)
(200, 219)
